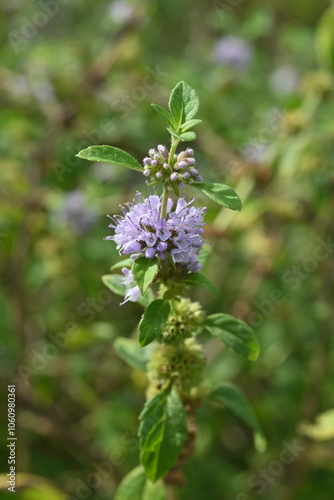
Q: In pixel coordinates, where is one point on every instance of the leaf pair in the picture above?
(183, 105)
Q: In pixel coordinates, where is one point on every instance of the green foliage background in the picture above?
(86, 76)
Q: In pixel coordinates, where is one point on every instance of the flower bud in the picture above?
(150, 253)
(191, 161)
(183, 164)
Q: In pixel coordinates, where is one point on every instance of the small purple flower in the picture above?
(232, 51)
(133, 292)
(141, 231)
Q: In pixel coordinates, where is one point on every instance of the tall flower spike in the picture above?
(141, 231)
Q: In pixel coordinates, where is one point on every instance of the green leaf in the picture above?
(235, 400)
(144, 271)
(165, 114)
(234, 333)
(162, 433)
(221, 194)
(130, 352)
(183, 103)
(201, 280)
(190, 124)
(153, 321)
(111, 281)
(109, 154)
(203, 256)
(135, 486)
(122, 263)
(187, 136)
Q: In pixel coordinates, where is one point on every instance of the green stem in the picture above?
(172, 150)
(163, 208)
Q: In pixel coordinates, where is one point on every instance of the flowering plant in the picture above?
(162, 238)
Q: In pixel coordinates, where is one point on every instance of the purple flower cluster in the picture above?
(232, 51)
(180, 169)
(141, 231)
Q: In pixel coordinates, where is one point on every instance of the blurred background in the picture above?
(82, 72)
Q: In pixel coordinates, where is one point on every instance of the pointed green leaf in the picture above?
(190, 124)
(165, 114)
(130, 352)
(112, 281)
(135, 486)
(183, 103)
(122, 263)
(187, 136)
(109, 154)
(221, 194)
(144, 271)
(234, 333)
(200, 280)
(235, 400)
(203, 256)
(153, 321)
(162, 433)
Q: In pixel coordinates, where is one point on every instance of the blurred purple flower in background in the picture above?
(232, 51)
(140, 230)
(121, 11)
(76, 212)
(284, 80)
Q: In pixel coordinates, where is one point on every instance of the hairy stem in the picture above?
(163, 208)
(172, 150)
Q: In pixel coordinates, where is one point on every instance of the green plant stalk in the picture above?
(172, 150)
(163, 209)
